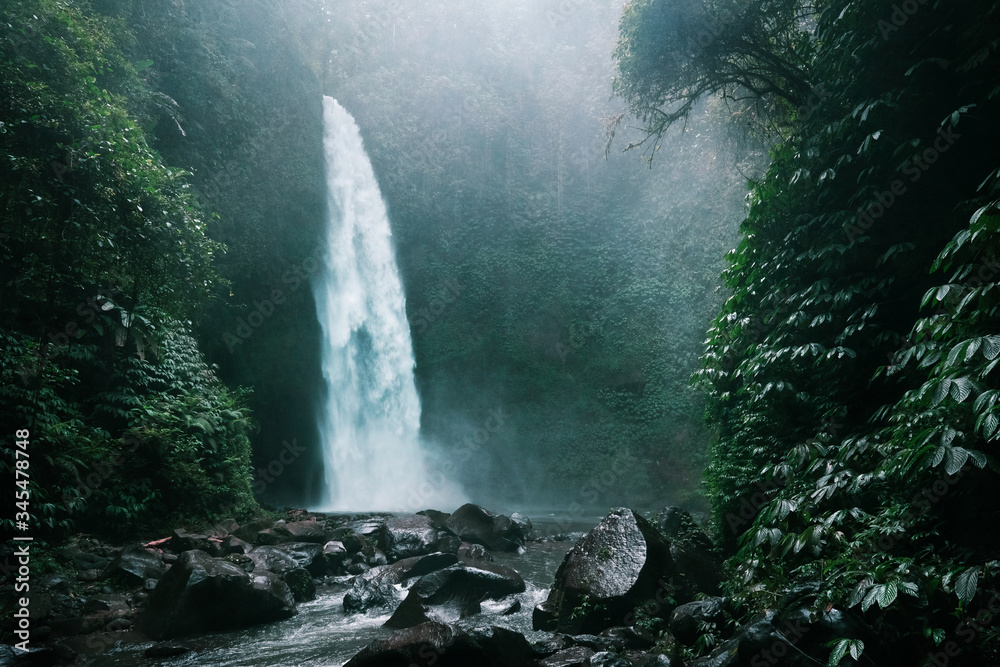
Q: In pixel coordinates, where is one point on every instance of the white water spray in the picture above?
(369, 427)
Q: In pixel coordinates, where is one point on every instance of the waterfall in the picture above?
(370, 423)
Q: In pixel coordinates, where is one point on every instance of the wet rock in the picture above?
(309, 530)
(438, 518)
(134, 565)
(336, 554)
(499, 647)
(249, 531)
(273, 536)
(513, 609)
(576, 656)
(273, 559)
(368, 594)
(494, 531)
(454, 593)
(655, 660)
(607, 659)
(166, 650)
(224, 527)
(686, 619)
(205, 594)
(373, 557)
(470, 553)
(622, 564)
(726, 655)
(406, 647)
(495, 579)
(696, 557)
(416, 535)
(552, 644)
(305, 554)
(367, 531)
(408, 568)
(599, 642)
(234, 545)
(524, 523)
(357, 568)
(629, 637)
(437, 644)
(301, 583)
(242, 561)
(89, 561)
(181, 540)
(678, 525)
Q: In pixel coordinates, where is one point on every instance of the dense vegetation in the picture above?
(850, 373)
(106, 255)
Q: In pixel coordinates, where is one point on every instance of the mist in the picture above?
(558, 288)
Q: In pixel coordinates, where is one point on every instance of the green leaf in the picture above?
(887, 594)
(955, 459)
(966, 584)
(839, 651)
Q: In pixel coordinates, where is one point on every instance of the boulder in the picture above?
(182, 540)
(697, 559)
(88, 561)
(373, 557)
(408, 568)
(415, 535)
(301, 583)
(435, 516)
(686, 619)
(576, 656)
(470, 553)
(619, 566)
(249, 531)
(309, 555)
(454, 593)
(437, 644)
(204, 594)
(234, 545)
(134, 565)
(524, 523)
(357, 534)
(607, 659)
(368, 594)
(273, 559)
(494, 531)
(406, 647)
(309, 530)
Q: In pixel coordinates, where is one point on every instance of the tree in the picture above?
(673, 53)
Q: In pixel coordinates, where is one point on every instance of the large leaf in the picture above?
(966, 584)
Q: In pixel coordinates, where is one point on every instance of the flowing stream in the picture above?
(370, 423)
(322, 635)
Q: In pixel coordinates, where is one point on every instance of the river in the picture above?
(322, 635)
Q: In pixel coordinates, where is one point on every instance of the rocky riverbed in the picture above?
(467, 588)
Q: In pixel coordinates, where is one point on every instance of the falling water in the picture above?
(369, 427)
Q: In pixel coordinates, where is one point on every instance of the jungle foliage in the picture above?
(851, 372)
